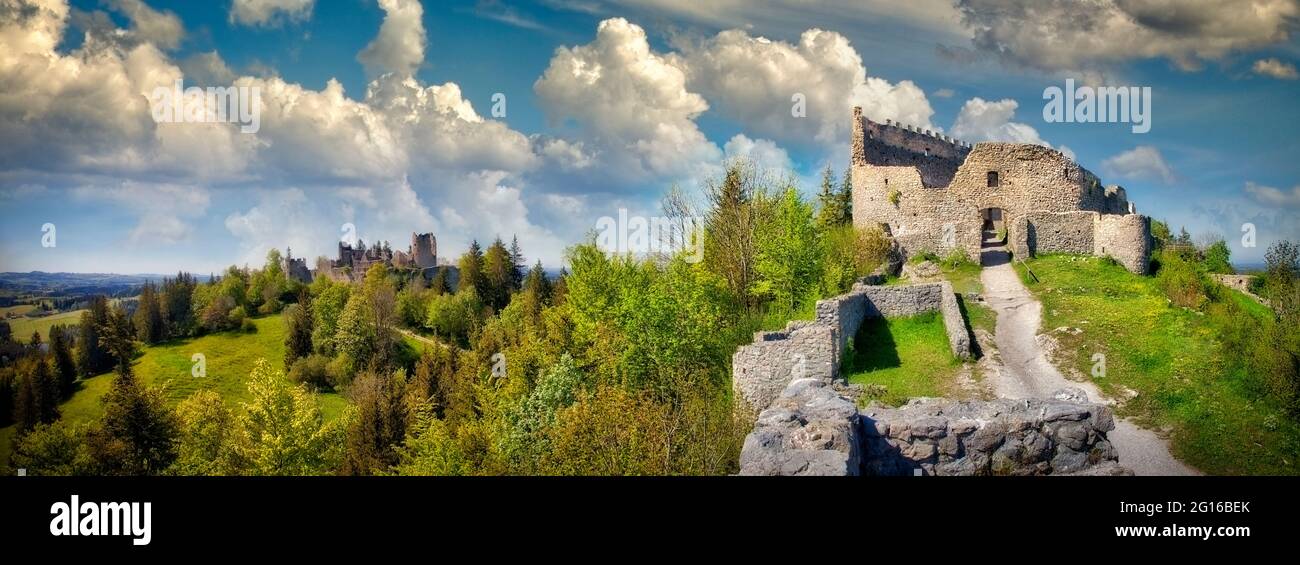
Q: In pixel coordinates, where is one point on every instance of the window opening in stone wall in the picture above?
(993, 179)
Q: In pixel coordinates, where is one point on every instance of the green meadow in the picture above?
(229, 357)
(1171, 358)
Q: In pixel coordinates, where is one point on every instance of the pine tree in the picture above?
(729, 230)
(471, 268)
(517, 265)
(64, 365)
(117, 338)
(846, 196)
(8, 394)
(148, 316)
(380, 424)
(37, 401)
(497, 275)
(560, 287)
(434, 376)
(92, 357)
(537, 283)
(138, 432)
(177, 299)
(829, 213)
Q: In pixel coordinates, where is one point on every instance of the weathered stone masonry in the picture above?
(814, 349)
(936, 194)
(805, 426)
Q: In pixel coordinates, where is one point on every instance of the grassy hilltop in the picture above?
(1179, 362)
(230, 357)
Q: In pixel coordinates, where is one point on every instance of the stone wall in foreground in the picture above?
(814, 349)
(808, 430)
(812, 430)
(933, 436)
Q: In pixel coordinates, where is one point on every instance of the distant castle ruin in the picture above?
(933, 193)
(353, 262)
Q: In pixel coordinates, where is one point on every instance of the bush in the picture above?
(247, 326)
(956, 258)
(923, 256)
(1182, 281)
(314, 371)
(895, 196)
(236, 317)
(850, 253)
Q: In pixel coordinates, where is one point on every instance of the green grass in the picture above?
(1170, 356)
(23, 327)
(17, 310)
(965, 278)
(908, 357)
(230, 356)
(978, 316)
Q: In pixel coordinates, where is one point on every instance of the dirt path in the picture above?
(419, 338)
(1026, 372)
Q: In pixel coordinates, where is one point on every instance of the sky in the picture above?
(485, 119)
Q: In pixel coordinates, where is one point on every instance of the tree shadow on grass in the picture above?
(874, 348)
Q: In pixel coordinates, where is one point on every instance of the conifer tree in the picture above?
(64, 366)
(471, 267)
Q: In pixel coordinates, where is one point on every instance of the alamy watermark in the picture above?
(1102, 104)
(176, 104)
(641, 235)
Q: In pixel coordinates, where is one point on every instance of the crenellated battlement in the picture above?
(915, 130)
(893, 144)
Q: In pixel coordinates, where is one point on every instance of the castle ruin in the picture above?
(932, 193)
(353, 262)
(296, 268)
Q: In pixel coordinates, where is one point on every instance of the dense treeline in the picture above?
(619, 365)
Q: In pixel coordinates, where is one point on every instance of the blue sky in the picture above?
(379, 114)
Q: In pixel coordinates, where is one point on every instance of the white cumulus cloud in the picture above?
(270, 12)
(630, 102)
(399, 47)
(984, 120)
(755, 80)
(1143, 162)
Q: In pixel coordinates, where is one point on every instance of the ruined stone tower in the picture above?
(932, 193)
(424, 250)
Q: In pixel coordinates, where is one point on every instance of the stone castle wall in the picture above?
(814, 349)
(1126, 238)
(761, 370)
(1052, 232)
(931, 194)
(1240, 283)
(932, 436)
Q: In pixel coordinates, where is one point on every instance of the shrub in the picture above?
(247, 326)
(923, 256)
(850, 253)
(895, 196)
(956, 258)
(1182, 281)
(235, 318)
(314, 371)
